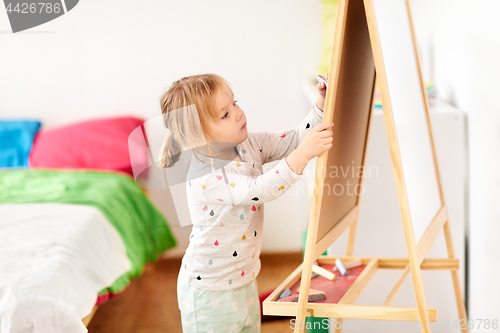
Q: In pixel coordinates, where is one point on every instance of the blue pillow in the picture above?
(16, 140)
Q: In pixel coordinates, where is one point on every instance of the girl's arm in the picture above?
(276, 146)
(240, 189)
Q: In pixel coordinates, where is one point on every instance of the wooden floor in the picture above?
(149, 304)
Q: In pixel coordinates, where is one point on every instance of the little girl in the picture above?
(216, 288)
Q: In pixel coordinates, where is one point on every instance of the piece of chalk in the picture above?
(350, 264)
(312, 298)
(312, 291)
(323, 272)
(286, 293)
(323, 79)
(340, 267)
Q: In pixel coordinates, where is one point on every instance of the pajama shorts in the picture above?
(206, 311)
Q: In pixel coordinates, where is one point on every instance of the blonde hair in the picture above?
(198, 91)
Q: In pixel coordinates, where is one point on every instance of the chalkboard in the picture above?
(403, 100)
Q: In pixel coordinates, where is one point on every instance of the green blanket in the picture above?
(142, 227)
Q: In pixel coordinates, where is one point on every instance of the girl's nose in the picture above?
(239, 115)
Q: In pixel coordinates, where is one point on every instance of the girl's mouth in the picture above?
(243, 127)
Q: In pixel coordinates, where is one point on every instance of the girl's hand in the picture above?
(320, 103)
(316, 141)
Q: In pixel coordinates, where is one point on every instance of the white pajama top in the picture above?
(227, 210)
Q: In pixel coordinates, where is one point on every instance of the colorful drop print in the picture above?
(308, 125)
(254, 208)
(222, 224)
(242, 273)
(282, 136)
(210, 262)
(219, 177)
(232, 184)
(199, 277)
(230, 282)
(243, 151)
(277, 172)
(205, 208)
(212, 212)
(238, 164)
(255, 235)
(235, 254)
(244, 237)
(255, 199)
(203, 186)
(220, 200)
(241, 217)
(281, 187)
(216, 243)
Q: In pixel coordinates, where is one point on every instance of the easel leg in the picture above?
(415, 271)
(419, 293)
(350, 240)
(338, 327)
(350, 247)
(456, 282)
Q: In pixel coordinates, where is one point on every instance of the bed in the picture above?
(72, 236)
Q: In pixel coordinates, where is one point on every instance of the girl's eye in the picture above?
(234, 104)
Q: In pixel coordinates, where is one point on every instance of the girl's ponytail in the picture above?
(170, 152)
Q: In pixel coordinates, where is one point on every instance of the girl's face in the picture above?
(231, 125)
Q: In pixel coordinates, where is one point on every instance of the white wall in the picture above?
(460, 47)
(107, 58)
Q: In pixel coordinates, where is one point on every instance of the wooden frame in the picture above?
(356, 24)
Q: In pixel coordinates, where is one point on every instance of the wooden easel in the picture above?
(357, 52)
